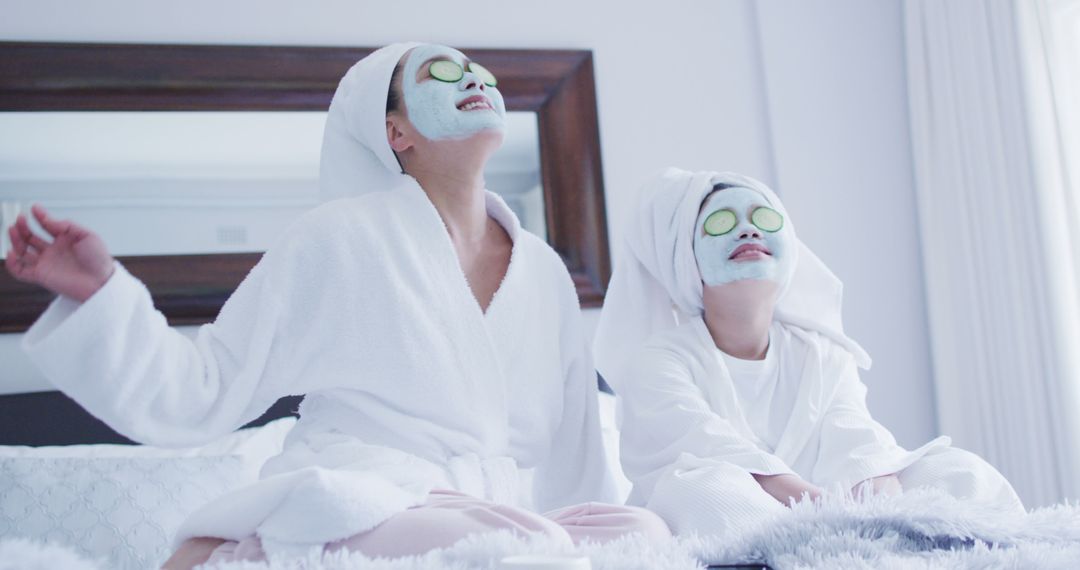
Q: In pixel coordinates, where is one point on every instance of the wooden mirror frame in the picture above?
(558, 85)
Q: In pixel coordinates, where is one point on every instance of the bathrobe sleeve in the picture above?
(852, 446)
(576, 468)
(116, 355)
(668, 428)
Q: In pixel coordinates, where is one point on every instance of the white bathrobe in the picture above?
(689, 448)
(410, 386)
(687, 445)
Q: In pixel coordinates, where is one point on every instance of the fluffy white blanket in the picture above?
(921, 529)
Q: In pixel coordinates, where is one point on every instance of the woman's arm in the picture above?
(111, 351)
(576, 470)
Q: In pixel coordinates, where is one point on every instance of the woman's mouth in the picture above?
(750, 252)
(475, 103)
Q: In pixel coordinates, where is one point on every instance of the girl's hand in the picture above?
(883, 485)
(787, 487)
(75, 263)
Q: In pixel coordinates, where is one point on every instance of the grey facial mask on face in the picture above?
(432, 105)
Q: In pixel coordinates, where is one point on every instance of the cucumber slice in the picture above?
(767, 219)
(720, 222)
(445, 70)
(486, 76)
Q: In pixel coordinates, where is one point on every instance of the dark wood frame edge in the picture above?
(558, 85)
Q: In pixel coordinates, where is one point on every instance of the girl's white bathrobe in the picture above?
(691, 438)
(409, 386)
(689, 442)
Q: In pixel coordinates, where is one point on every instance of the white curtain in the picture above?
(999, 230)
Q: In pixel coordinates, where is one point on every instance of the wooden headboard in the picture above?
(51, 418)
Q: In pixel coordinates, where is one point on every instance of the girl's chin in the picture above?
(747, 283)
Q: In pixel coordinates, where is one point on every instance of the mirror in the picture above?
(555, 89)
(177, 183)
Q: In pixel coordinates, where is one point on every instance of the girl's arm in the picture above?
(788, 487)
(854, 448)
(883, 485)
(668, 424)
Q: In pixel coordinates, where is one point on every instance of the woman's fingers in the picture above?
(30, 258)
(27, 235)
(12, 265)
(26, 248)
(19, 266)
(10, 262)
(17, 244)
(48, 223)
(56, 227)
(37, 243)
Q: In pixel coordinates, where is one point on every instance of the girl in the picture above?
(721, 334)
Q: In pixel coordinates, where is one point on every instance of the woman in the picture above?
(746, 396)
(448, 386)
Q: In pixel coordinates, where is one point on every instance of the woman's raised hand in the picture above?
(75, 263)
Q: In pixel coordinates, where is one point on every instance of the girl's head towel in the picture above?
(656, 279)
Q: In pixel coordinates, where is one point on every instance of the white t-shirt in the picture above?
(765, 397)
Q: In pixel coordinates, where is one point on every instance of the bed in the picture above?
(68, 479)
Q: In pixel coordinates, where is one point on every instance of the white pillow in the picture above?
(123, 510)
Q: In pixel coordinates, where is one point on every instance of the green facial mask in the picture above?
(434, 101)
(731, 218)
(721, 222)
(451, 72)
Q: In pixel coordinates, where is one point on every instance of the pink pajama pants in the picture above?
(449, 516)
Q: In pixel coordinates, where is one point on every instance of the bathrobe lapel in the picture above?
(465, 323)
(814, 392)
(811, 400)
(719, 387)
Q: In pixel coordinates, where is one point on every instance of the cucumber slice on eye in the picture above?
(720, 222)
(486, 76)
(447, 71)
(767, 219)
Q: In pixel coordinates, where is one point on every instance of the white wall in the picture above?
(679, 83)
(837, 105)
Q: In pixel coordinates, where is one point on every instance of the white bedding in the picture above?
(918, 529)
(122, 504)
(922, 530)
(145, 492)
